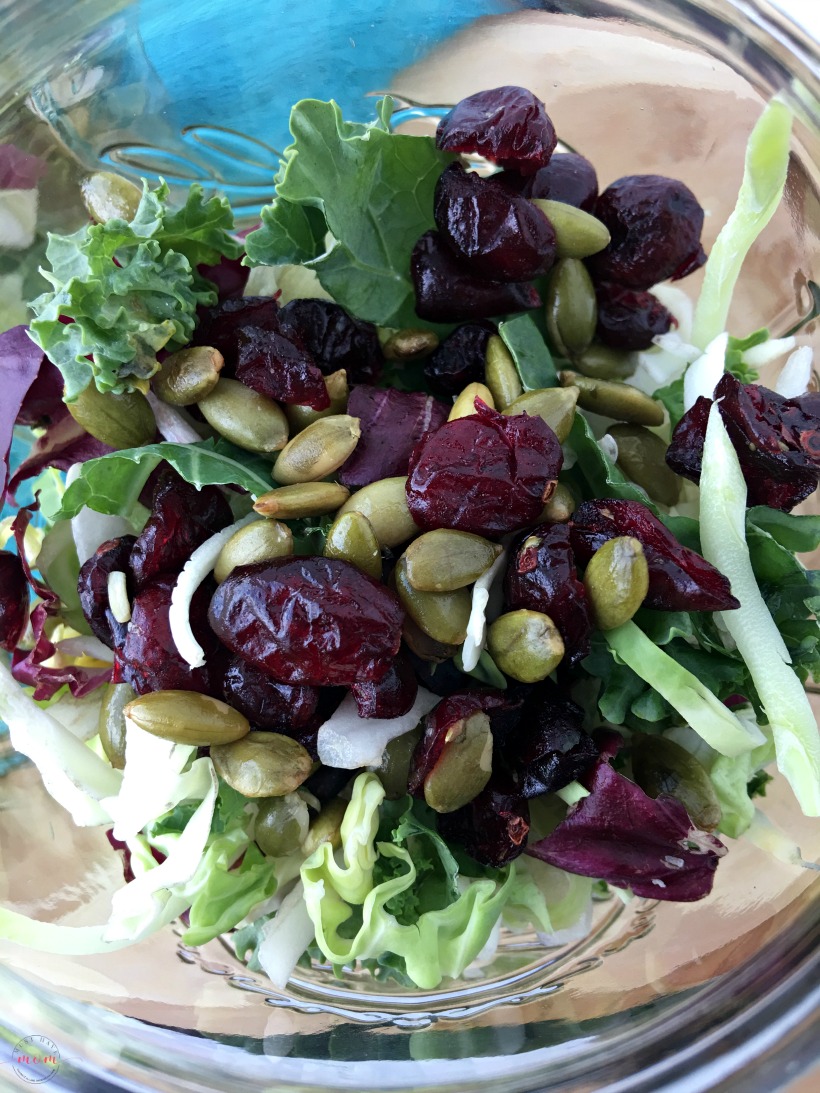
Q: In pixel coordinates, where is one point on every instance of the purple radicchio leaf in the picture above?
(229, 276)
(63, 444)
(392, 423)
(20, 361)
(620, 835)
(18, 169)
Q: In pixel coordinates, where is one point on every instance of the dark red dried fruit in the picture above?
(148, 658)
(392, 423)
(335, 339)
(440, 677)
(328, 782)
(277, 365)
(13, 600)
(390, 696)
(460, 359)
(568, 177)
(499, 234)
(110, 557)
(309, 620)
(493, 827)
(229, 275)
(777, 441)
(219, 326)
(447, 292)
(628, 319)
(267, 704)
(541, 576)
(182, 518)
(679, 578)
(655, 224)
(439, 722)
(507, 125)
(487, 473)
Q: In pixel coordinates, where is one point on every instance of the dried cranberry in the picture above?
(266, 703)
(390, 696)
(110, 557)
(568, 177)
(487, 473)
(447, 291)
(328, 782)
(679, 579)
(777, 441)
(220, 326)
(493, 827)
(444, 719)
(13, 600)
(440, 677)
(499, 234)
(309, 620)
(541, 576)
(628, 319)
(392, 423)
(182, 518)
(148, 658)
(460, 359)
(655, 224)
(335, 339)
(277, 365)
(507, 125)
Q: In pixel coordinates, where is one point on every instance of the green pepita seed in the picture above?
(121, 421)
(555, 405)
(384, 503)
(116, 697)
(281, 825)
(444, 560)
(318, 450)
(578, 234)
(394, 769)
(299, 417)
(188, 376)
(526, 645)
(571, 308)
(351, 537)
(662, 766)
(616, 581)
(559, 508)
(441, 615)
(501, 374)
(256, 542)
(642, 457)
(464, 767)
(245, 417)
(425, 647)
(326, 827)
(304, 499)
(262, 764)
(601, 362)
(613, 399)
(108, 197)
(464, 405)
(410, 345)
(187, 717)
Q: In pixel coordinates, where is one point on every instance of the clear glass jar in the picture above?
(718, 994)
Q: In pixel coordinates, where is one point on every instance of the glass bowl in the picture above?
(719, 994)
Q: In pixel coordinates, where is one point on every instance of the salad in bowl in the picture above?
(419, 564)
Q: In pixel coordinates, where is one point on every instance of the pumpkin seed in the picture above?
(304, 499)
(444, 560)
(121, 421)
(262, 764)
(326, 827)
(464, 405)
(614, 399)
(410, 345)
(578, 234)
(384, 503)
(559, 508)
(642, 457)
(662, 766)
(299, 417)
(318, 450)
(464, 766)
(188, 376)
(351, 537)
(187, 717)
(443, 616)
(425, 647)
(616, 581)
(256, 542)
(394, 769)
(555, 405)
(602, 362)
(501, 374)
(111, 724)
(526, 645)
(108, 196)
(571, 308)
(245, 417)
(281, 825)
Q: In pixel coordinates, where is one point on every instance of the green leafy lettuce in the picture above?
(131, 288)
(594, 473)
(529, 351)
